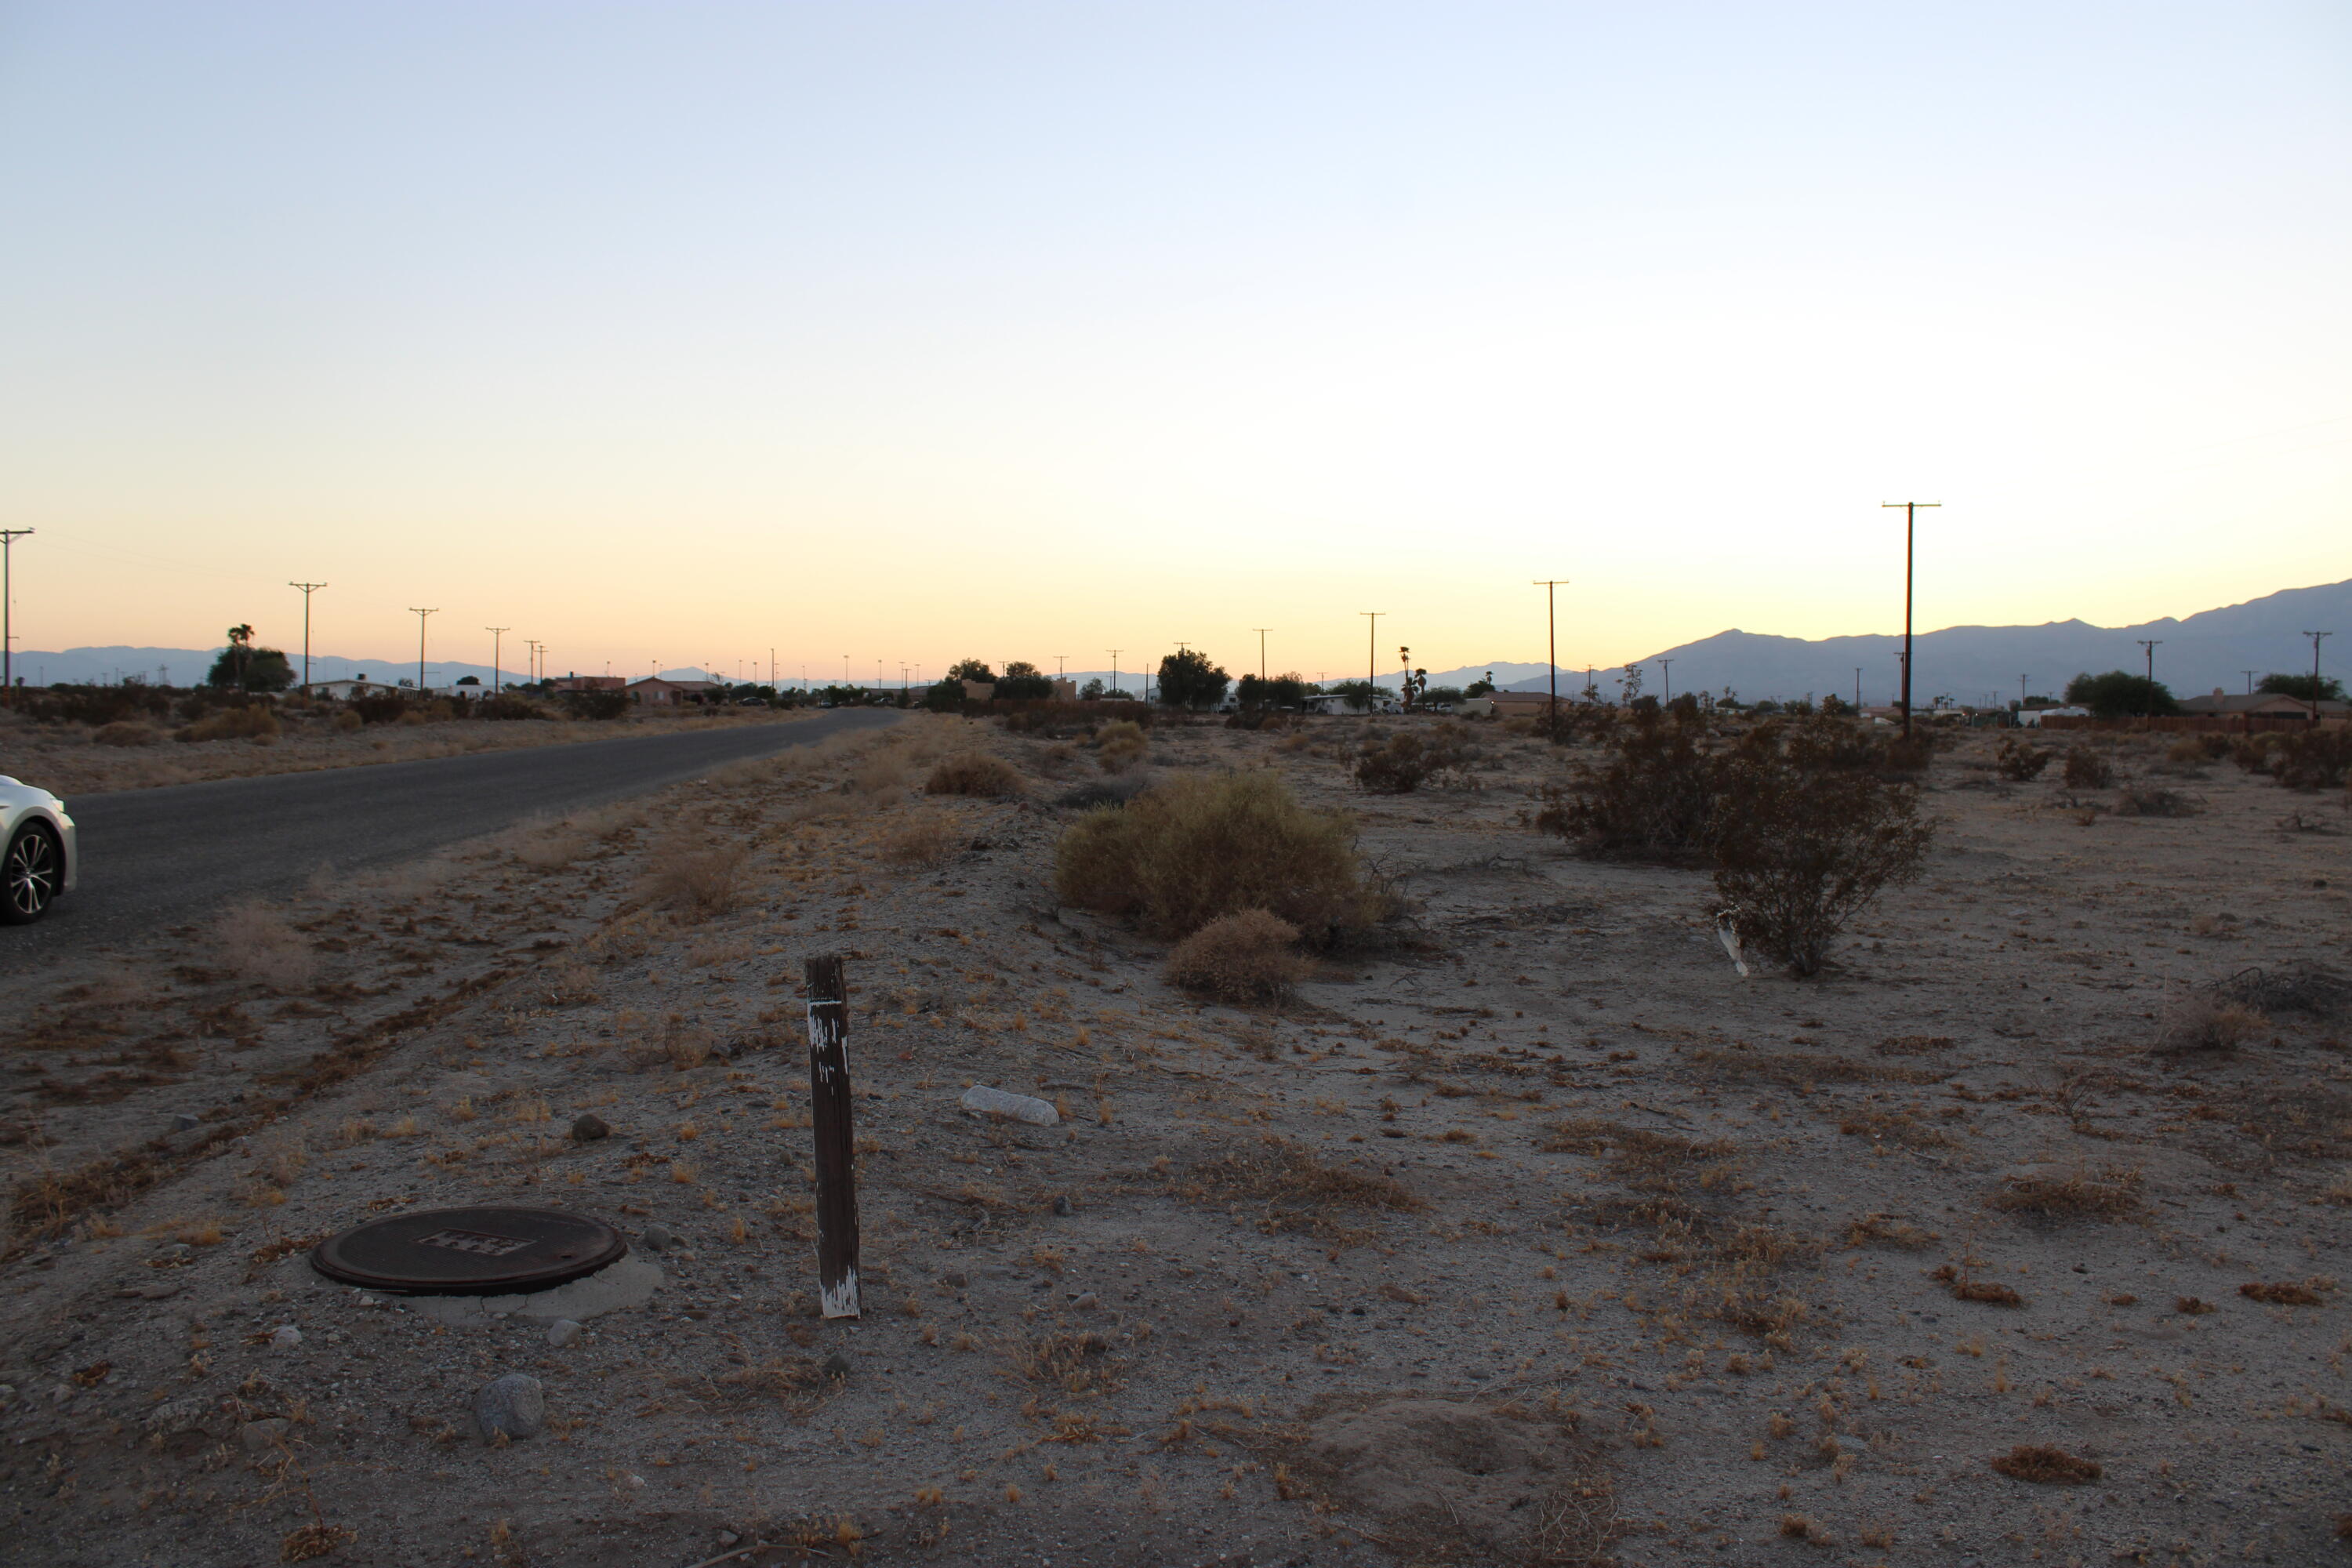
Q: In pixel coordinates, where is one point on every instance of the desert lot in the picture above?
(1528, 1232)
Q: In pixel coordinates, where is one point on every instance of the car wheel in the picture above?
(29, 874)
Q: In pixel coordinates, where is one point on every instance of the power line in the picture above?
(308, 589)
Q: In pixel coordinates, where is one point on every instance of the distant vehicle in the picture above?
(38, 860)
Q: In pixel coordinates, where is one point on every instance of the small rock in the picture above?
(515, 1405)
(285, 1337)
(260, 1436)
(178, 1416)
(184, 1122)
(588, 1128)
(1087, 1303)
(174, 1252)
(953, 1279)
(1062, 1202)
(836, 1365)
(1025, 1108)
(562, 1333)
(728, 1538)
(657, 1238)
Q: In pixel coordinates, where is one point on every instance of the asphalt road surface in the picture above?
(158, 857)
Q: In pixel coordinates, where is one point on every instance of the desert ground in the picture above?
(1529, 1233)
(71, 759)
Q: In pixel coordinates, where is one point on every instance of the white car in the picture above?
(37, 852)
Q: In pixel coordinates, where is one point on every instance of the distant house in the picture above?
(2260, 704)
(588, 683)
(2030, 718)
(654, 692)
(358, 686)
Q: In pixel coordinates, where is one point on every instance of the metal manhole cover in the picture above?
(491, 1251)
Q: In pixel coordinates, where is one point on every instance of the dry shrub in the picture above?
(1408, 759)
(1119, 746)
(2110, 1193)
(974, 773)
(1077, 1362)
(2205, 1020)
(256, 944)
(1249, 957)
(2311, 990)
(552, 850)
(2046, 1466)
(882, 770)
(125, 732)
(1295, 1187)
(2019, 762)
(926, 841)
(2209, 748)
(251, 723)
(2286, 1293)
(1966, 1287)
(698, 883)
(1201, 847)
(1801, 853)
(2141, 801)
(2085, 768)
(1654, 799)
(2311, 760)
(1885, 1230)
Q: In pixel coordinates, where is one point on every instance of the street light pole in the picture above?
(1910, 518)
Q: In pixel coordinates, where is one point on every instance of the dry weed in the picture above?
(256, 944)
(1250, 957)
(700, 883)
(926, 841)
(974, 773)
(2046, 1466)
(2110, 1193)
(2205, 1020)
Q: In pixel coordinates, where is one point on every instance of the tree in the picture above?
(945, 696)
(1187, 679)
(1286, 690)
(2299, 687)
(1480, 687)
(1092, 690)
(1360, 695)
(1023, 681)
(1630, 685)
(972, 669)
(2119, 694)
(1434, 695)
(1836, 707)
(242, 667)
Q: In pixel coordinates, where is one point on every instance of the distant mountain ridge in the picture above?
(1982, 663)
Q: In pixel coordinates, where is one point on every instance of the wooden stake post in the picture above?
(836, 1157)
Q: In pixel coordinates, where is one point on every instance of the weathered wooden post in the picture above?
(836, 1156)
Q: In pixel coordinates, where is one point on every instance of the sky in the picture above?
(912, 332)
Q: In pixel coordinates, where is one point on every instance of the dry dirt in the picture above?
(63, 759)
(1536, 1235)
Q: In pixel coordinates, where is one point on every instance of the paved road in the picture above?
(155, 858)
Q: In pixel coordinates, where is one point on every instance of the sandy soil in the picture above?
(63, 759)
(1539, 1235)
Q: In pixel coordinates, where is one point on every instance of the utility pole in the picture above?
(2021, 693)
(1061, 662)
(1551, 649)
(496, 633)
(9, 537)
(1261, 632)
(1857, 689)
(2315, 638)
(308, 589)
(1371, 659)
(1910, 517)
(2150, 644)
(420, 616)
(1667, 665)
(1114, 669)
(2250, 680)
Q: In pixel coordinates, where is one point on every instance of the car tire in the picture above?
(30, 873)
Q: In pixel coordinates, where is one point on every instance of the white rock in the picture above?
(991, 1101)
(285, 1337)
(562, 1333)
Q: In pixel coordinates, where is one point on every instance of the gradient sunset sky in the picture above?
(911, 331)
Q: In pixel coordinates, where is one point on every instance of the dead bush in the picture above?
(2206, 748)
(1800, 854)
(2046, 1466)
(2019, 761)
(2315, 758)
(251, 723)
(125, 732)
(2206, 1020)
(2311, 990)
(1250, 957)
(1654, 799)
(1119, 746)
(2110, 1193)
(926, 841)
(1408, 759)
(974, 773)
(2141, 801)
(2085, 768)
(881, 772)
(700, 883)
(1297, 1188)
(2286, 1293)
(1077, 1362)
(1201, 847)
(256, 944)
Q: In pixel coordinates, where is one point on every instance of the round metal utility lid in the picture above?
(495, 1250)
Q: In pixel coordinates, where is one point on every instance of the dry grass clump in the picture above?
(2110, 1193)
(2287, 1293)
(1249, 957)
(2046, 1466)
(1885, 1230)
(2019, 761)
(2135, 800)
(1119, 746)
(2311, 990)
(700, 883)
(125, 732)
(256, 944)
(1966, 1287)
(252, 723)
(974, 773)
(1294, 1185)
(2207, 1020)
(1077, 1362)
(1202, 846)
(926, 841)
(2085, 768)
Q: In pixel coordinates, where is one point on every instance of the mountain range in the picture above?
(1969, 664)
